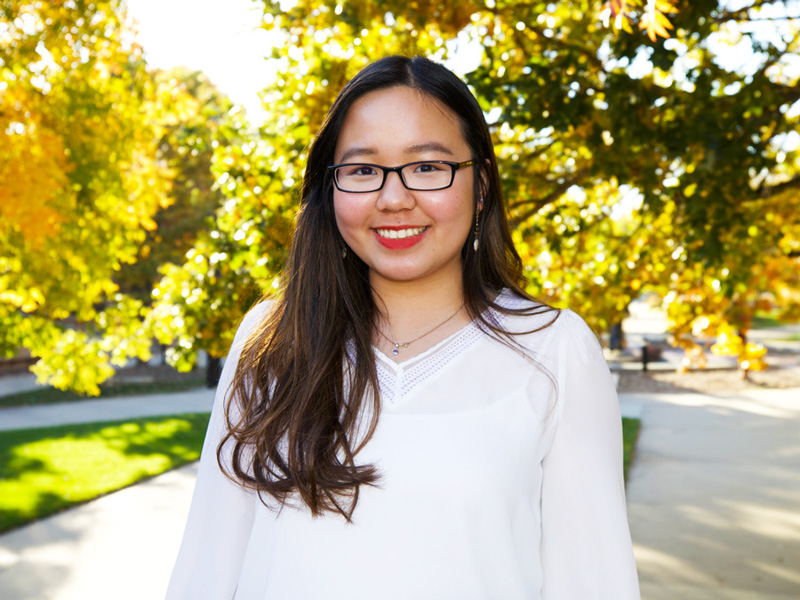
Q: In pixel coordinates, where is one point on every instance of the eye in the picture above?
(364, 170)
(430, 167)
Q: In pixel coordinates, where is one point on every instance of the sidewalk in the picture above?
(111, 409)
(121, 546)
(713, 497)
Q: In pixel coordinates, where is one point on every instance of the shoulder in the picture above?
(573, 326)
(521, 317)
(543, 328)
(250, 323)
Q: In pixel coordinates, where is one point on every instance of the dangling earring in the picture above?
(477, 231)
(344, 250)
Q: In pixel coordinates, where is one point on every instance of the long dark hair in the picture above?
(299, 392)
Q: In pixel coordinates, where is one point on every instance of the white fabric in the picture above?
(496, 484)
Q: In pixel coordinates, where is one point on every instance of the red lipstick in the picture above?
(399, 243)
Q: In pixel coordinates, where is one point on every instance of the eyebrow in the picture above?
(413, 149)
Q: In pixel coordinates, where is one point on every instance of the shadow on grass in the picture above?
(630, 433)
(43, 471)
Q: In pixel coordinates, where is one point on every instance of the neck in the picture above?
(409, 309)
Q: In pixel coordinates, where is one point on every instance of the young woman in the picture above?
(404, 421)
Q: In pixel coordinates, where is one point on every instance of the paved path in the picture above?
(714, 496)
(714, 504)
(19, 382)
(93, 411)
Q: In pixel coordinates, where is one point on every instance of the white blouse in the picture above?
(499, 480)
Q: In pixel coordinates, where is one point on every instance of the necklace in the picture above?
(398, 345)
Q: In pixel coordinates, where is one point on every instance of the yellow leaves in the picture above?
(79, 185)
(730, 343)
(33, 171)
(694, 358)
(654, 19)
(25, 300)
(652, 16)
(752, 358)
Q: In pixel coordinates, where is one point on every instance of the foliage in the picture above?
(631, 161)
(651, 16)
(619, 178)
(326, 44)
(191, 122)
(197, 304)
(43, 471)
(730, 343)
(79, 185)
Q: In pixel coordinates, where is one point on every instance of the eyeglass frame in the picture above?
(454, 166)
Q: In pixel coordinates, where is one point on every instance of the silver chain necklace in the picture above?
(398, 345)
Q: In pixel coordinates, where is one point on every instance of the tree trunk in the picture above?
(616, 337)
(213, 371)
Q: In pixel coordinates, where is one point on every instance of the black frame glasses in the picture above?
(454, 166)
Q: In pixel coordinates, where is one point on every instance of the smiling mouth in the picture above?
(400, 234)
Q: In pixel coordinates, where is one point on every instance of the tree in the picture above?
(193, 111)
(79, 185)
(196, 304)
(629, 161)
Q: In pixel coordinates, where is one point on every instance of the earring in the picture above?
(477, 231)
(344, 250)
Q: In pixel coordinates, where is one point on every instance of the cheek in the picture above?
(348, 213)
(458, 211)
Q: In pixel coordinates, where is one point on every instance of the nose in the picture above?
(394, 196)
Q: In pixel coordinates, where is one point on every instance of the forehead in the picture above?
(397, 123)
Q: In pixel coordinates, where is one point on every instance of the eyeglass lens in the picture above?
(416, 176)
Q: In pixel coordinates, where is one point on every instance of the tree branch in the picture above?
(792, 184)
(567, 45)
(744, 13)
(561, 43)
(536, 204)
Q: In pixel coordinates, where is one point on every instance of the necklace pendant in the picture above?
(396, 350)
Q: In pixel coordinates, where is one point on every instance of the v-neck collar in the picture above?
(401, 366)
(397, 380)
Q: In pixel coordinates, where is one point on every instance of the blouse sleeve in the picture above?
(586, 544)
(221, 514)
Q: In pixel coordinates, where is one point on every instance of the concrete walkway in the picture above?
(111, 409)
(714, 496)
(714, 505)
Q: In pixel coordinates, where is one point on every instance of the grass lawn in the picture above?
(107, 390)
(43, 471)
(764, 321)
(630, 431)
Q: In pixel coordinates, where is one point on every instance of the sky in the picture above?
(219, 38)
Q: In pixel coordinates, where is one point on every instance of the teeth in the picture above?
(400, 234)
